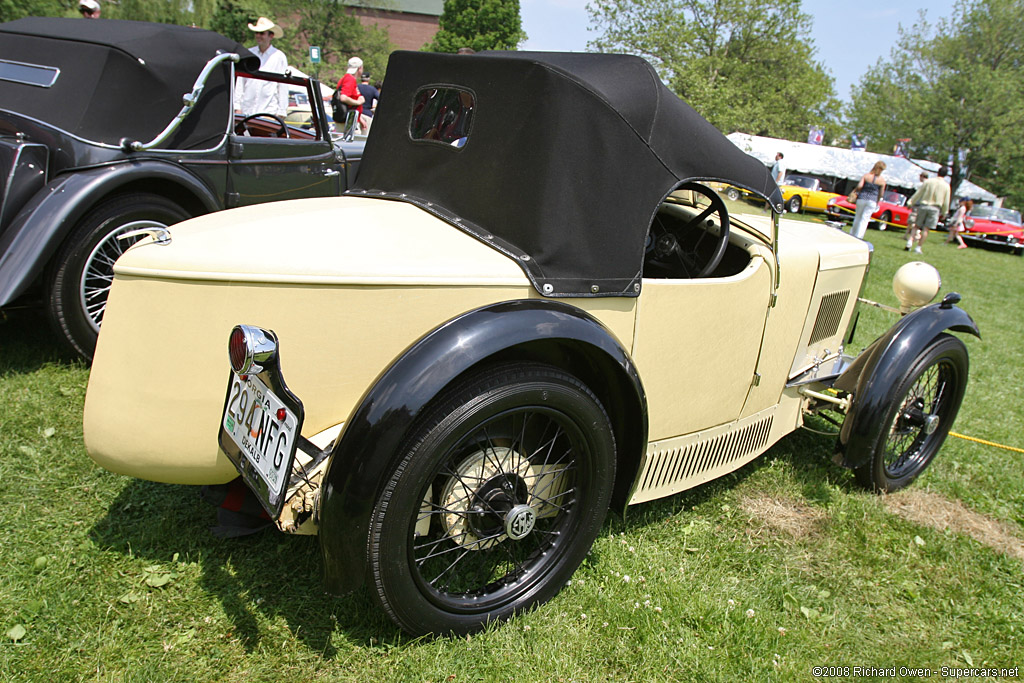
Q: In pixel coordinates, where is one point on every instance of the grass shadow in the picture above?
(270, 575)
(29, 342)
(261, 577)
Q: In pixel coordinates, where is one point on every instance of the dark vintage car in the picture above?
(451, 373)
(110, 128)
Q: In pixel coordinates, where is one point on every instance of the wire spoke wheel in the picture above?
(497, 507)
(82, 273)
(496, 503)
(916, 420)
(924, 404)
(98, 274)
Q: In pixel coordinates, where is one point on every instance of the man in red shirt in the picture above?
(348, 87)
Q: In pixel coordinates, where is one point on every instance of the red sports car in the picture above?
(891, 209)
(1002, 227)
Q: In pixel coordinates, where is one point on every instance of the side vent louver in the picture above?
(829, 315)
(671, 466)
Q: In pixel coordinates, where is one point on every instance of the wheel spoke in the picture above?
(97, 273)
(551, 501)
(518, 458)
(908, 439)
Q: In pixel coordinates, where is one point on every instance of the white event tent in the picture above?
(846, 164)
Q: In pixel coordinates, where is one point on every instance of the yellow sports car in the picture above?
(453, 372)
(804, 193)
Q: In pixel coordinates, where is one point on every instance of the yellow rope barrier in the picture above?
(874, 220)
(986, 443)
(903, 227)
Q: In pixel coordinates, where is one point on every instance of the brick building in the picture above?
(410, 23)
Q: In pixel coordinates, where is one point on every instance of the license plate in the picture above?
(264, 430)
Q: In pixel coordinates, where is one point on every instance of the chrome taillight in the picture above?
(248, 345)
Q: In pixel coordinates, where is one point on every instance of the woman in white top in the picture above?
(870, 190)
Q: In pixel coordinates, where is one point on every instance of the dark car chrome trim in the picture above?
(6, 74)
(118, 148)
(189, 101)
(38, 230)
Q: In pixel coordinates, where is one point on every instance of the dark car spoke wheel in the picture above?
(98, 273)
(82, 273)
(924, 404)
(496, 503)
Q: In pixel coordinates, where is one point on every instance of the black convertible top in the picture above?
(563, 163)
(119, 78)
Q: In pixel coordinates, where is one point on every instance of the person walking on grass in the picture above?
(869, 190)
(957, 224)
(931, 198)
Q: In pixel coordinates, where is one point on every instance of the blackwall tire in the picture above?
(794, 204)
(80, 276)
(502, 490)
(922, 407)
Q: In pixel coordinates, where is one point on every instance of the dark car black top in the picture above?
(116, 127)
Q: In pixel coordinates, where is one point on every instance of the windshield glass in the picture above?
(745, 208)
(998, 214)
(895, 198)
(800, 181)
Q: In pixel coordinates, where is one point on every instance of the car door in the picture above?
(696, 346)
(265, 169)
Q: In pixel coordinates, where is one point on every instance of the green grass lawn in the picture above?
(783, 566)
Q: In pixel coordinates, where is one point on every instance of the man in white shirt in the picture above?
(263, 97)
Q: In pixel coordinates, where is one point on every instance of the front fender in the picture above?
(41, 226)
(872, 375)
(371, 445)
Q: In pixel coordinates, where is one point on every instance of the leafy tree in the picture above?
(17, 9)
(480, 25)
(956, 89)
(337, 31)
(745, 65)
(231, 18)
(182, 12)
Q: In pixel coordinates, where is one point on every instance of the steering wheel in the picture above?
(682, 245)
(243, 125)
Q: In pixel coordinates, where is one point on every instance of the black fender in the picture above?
(41, 226)
(872, 375)
(371, 445)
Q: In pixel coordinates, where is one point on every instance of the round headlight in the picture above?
(915, 284)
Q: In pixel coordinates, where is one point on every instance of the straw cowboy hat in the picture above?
(264, 24)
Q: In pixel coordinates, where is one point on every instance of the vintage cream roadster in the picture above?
(537, 303)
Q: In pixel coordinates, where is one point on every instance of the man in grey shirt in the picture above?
(778, 169)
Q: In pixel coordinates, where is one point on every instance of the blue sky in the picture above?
(850, 37)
